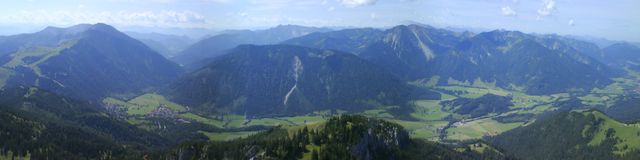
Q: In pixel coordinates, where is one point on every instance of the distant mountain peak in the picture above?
(624, 44)
(77, 29)
(90, 56)
(102, 27)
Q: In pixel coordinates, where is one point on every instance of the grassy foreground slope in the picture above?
(586, 134)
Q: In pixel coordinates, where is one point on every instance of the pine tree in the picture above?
(314, 155)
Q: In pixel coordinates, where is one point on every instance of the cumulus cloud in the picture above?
(507, 11)
(243, 14)
(571, 22)
(548, 6)
(181, 19)
(357, 3)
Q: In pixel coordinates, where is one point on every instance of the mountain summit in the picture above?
(282, 79)
(83, 61)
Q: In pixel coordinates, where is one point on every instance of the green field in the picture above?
(144, 104)
(377, 113)
(472, 92)
(478, 128)
(421, 129)
(226, 136)
(429, 110)
(197, 118)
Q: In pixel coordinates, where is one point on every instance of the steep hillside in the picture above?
(573, 135)
(412, 52)
(95, 62)
(281, 79)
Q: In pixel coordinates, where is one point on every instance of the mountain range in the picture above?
(510, 59)
(281, 79)
(432, 81)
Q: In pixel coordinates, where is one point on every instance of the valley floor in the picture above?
(429, 119)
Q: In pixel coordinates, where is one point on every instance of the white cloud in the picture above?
(571, 22)
(357, 3)
(330, 9)
(168, 18)
(324, 2)
(244, 14)
(548, 6)
(507, 11)
(373, 16)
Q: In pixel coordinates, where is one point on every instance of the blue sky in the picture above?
(613, 19)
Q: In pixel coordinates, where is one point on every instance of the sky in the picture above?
(611, 19)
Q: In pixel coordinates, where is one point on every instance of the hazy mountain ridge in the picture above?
(623, 55)
(48, 37)
(165, 44)
(217, 45)
(342, 40)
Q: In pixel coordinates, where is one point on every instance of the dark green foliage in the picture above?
(344, 137)
(567, 105)
(511, 118)
(49, 126)
(488, 103)
(282, 79)
(314, 155)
